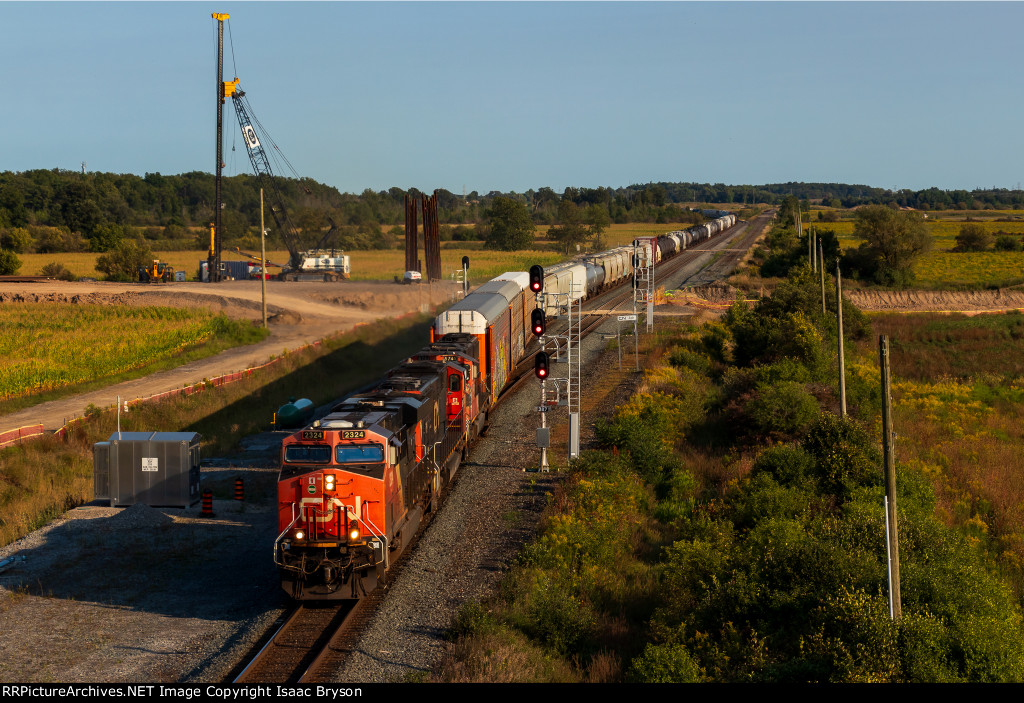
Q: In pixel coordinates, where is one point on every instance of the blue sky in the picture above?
(519, 95)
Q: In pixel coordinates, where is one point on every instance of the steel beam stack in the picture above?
(412, 245)
(431, 238)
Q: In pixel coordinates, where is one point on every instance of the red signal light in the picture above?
(538, 321)
(536, 278)
(541, 365)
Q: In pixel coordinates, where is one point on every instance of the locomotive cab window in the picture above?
(309, 454)
(358, 453)
(454, 383)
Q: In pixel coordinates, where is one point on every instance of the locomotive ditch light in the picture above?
(538, 321)
(541, 365)
(536, 278)
(298, 535)
(353, 532)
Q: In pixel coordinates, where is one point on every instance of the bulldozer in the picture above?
(156, 273)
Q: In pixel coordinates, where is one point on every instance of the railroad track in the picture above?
(312, 640)
(742, 239)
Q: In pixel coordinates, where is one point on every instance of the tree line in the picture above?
(60, 210)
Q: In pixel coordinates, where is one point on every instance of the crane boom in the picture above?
(261, 165)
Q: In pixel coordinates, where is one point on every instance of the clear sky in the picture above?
(519, 95)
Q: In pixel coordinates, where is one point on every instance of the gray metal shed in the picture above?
(153, 468)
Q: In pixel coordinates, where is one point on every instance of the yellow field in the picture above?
(52, 345)
(941, 268)
(377, 264)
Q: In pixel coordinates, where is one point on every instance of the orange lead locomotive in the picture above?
(355, 485)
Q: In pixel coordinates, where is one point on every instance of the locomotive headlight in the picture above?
(329, 482)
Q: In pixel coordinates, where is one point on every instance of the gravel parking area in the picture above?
(141, 594)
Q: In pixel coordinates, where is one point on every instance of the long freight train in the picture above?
(355, 485)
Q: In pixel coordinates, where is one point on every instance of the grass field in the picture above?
(958, 393)
(941, 268)
(52, 349)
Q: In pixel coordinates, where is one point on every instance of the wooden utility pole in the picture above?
(893, 546)
(842, 359)
(263, 261)
(821, 258)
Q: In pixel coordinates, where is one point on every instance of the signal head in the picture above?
(540, 365)
(536, 278)
(538, 321)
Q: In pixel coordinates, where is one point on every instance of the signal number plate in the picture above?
(353, 434)
(312, 434)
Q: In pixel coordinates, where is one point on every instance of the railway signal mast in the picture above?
(644, 249)
(572, 307)
(538, 324)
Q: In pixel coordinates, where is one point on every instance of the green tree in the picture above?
(570, 230)
(17, 239)
(105, 237)
(9, 262)
(511, 228)
(122, 263)
(973, 237)
(896, 239)
(597, 221)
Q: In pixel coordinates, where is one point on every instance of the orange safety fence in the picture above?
(20, 434)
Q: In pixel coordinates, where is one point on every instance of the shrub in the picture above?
(664, 663)
(9, 262)
(556, 614)
(782, 410)
(58, 271)
(788, 464)
(689, 359)
(973, 237)
(845, 455)
(1008, 242)
(124, 261)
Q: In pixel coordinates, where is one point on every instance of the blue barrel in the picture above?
(295, 413)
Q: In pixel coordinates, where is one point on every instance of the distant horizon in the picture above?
(559, 191)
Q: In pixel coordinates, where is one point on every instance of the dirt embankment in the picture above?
(937, 301)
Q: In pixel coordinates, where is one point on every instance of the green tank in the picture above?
(295, 413)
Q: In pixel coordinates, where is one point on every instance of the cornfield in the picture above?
(52, 345)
